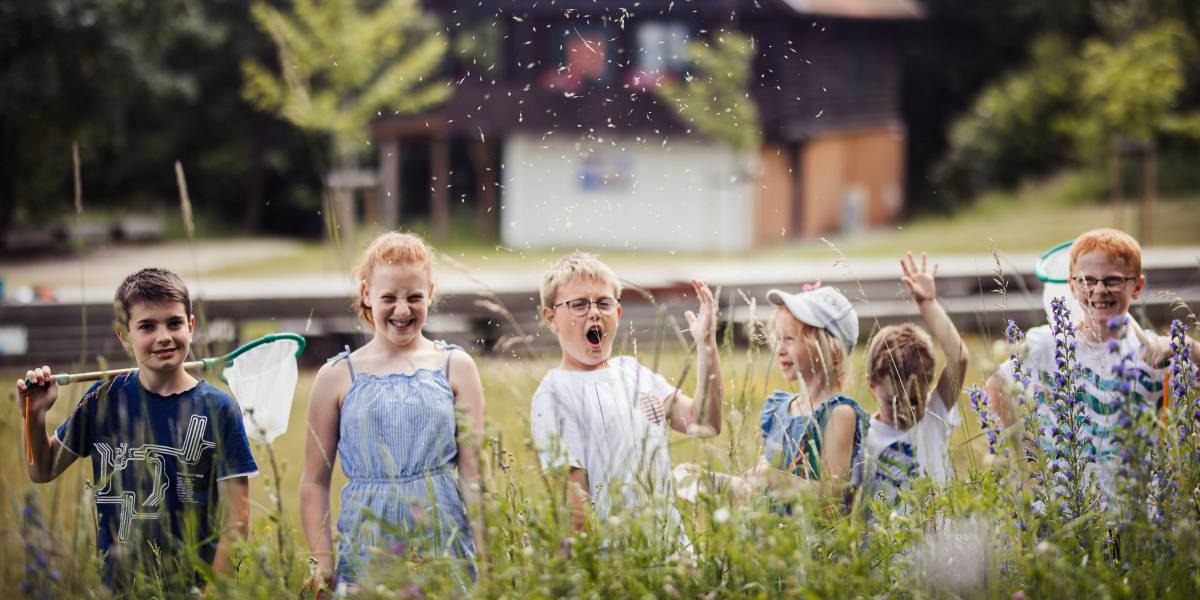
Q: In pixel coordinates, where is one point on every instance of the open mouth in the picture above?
(595, 334)
(401, 323)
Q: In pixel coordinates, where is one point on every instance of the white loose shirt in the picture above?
(894, 456)
(611, 423)
(1101, 394)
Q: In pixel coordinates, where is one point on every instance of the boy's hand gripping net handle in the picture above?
(69, 378)
(204, 363)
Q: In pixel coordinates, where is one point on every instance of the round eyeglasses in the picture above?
(1112, 284)
(581, 307)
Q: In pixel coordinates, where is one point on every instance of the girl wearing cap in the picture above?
(813, 437)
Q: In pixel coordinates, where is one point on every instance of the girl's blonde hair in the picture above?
(902, 356)
(829, 352)
(391, 248)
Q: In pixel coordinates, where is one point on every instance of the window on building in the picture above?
(585, 56)
(661, 52)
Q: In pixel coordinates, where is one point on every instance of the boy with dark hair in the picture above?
(167, 449)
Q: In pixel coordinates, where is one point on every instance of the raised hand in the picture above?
(703, 325)
(1157, 352)
(919, 279)
(41, 389)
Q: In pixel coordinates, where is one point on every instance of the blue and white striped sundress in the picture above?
(397, 447)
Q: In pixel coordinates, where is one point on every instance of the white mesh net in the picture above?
(1053, 269)
(263, 379)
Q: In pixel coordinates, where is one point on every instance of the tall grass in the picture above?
(1018, 518)
(998, 528)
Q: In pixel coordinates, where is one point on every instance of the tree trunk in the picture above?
(440, 184)
(260, 141)
(486, 177)
(389, 181)
(1149, 195)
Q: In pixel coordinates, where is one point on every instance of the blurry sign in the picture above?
(14, 340)
(606, 171)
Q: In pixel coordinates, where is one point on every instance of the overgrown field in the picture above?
(1010, 522)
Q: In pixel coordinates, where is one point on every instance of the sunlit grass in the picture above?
(742, 549)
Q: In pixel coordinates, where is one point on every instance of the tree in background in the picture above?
(1130, 90)
(341, 65)
(1018, 126)
(1132, 82)
(714, 97)
(140, 85)
(82, 70)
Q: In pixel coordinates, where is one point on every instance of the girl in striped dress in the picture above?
(405, 416)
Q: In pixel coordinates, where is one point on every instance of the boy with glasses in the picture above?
(1105, 278)
(602, 420)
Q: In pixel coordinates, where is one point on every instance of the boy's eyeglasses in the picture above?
(580, 307)
(1112, 284)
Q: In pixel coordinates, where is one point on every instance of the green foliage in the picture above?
(342, 64)
(81, 70)
(140, 85)
(1129, 84)
(1129, 91)
(1015, 127)
(715, 99)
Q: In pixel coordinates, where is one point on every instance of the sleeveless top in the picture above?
(793, 443)
(398, 449)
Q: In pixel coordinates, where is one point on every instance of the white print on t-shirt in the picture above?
(118, 458)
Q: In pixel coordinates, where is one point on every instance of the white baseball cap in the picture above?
(824, 308)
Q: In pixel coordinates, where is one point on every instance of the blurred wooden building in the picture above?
(553, 135)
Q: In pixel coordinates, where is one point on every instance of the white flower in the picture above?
(721, 515)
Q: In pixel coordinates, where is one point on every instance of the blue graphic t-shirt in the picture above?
(156, 461)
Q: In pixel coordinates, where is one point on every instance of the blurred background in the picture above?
(846, 115)
(255, 147)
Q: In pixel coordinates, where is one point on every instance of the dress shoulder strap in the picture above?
(344, 355)
(449, 348)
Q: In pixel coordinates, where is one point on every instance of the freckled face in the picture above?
(398, 297)
(1099, 303)
(586, 340)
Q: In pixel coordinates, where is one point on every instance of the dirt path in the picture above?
(106, 266)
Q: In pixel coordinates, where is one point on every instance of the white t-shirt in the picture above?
(923, 450)
(1101, 389)
(611, 423)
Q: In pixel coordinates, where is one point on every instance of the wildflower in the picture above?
(987, 424)
(721, 515)
(1183, 378)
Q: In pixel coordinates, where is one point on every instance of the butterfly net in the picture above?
(263, 379)
(1054, 269)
